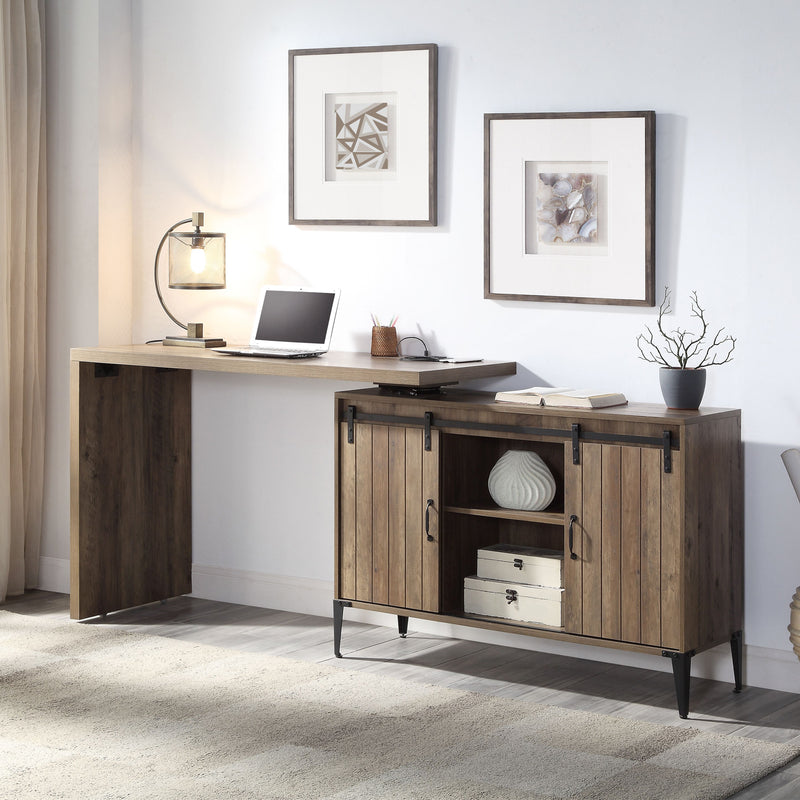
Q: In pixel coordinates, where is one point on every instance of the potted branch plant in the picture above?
(684, 355)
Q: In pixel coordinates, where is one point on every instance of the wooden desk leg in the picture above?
(130, 486)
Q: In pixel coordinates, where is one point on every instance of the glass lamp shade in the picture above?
(196, 260)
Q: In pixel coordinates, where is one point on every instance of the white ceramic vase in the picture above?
(522, 481)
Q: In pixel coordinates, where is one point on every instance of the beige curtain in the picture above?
(22, 291)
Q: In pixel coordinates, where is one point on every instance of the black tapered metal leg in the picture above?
(338, 615)
(681, 671)
(402, 625)
(736, 654)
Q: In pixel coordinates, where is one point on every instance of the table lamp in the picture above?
(196, 261)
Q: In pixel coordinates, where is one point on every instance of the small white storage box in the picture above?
(536, 565)
(518, 601)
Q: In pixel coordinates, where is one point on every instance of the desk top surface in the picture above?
(361, 367)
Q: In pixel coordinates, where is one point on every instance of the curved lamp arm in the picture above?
(155, 273)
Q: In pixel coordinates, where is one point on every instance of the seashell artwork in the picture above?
(567, 208)
(521, 480)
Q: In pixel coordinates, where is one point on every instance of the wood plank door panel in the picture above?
(631, 545)
(591, 527)
(346, 559)
(611, 541)
(386, 480)
(573, 545)
(625, 583)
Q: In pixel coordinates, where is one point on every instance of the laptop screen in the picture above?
(294, 316)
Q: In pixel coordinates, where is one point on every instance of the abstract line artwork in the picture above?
(362, 136)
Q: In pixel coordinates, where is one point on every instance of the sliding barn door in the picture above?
(389, 517)
(625, 582)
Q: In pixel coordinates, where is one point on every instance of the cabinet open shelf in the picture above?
(499, 621)
(546, 517)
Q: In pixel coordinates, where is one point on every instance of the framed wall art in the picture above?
(362, 135)
(569, 207)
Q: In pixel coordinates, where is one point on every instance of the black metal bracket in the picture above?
(412, 391)
(572, 520)
(576, 443)
(338, 615)
(106, 370)
(428, 507)
(428, 423)
(681, 672)
(736, 655)
(575, 432)
(667, 441)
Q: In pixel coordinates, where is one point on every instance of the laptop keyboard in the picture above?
(264, 352)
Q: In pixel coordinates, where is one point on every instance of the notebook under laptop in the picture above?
(291, 322)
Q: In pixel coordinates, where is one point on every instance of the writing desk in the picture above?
(130, 457)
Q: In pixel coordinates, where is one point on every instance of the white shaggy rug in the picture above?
(88, 712)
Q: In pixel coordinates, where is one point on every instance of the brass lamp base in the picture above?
(187, 341)
(194, 338)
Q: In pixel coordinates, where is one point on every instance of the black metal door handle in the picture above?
(572, 520)
(428, 519)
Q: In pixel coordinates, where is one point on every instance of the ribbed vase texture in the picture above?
(522, 481)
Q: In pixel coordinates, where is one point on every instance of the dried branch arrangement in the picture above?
(680, 346)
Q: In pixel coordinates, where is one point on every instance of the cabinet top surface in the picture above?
(458, 398)
(361, 367)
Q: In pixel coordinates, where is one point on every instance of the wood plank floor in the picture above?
(490, 669)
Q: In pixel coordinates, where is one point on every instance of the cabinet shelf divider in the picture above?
(546, 517)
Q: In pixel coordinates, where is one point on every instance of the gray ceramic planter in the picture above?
(682, 388)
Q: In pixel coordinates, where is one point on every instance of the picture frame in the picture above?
(569, 207)
(363, 135)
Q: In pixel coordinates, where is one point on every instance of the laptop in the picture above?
(291, 322)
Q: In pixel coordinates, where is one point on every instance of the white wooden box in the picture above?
(518, 601)
(535, 565)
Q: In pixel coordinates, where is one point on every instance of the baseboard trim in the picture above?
(54, 574)
(301, 595)
(763, 666)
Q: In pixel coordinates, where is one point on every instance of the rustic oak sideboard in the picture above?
(647, 513)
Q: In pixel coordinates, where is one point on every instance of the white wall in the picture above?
(89, 223)
(72, 284)
(208, 96)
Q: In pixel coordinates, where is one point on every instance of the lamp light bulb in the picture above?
(198, 260)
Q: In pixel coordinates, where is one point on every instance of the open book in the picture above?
(562, 397)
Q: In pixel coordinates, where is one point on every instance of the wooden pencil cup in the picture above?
(384, 341)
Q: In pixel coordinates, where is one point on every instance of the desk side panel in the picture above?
(130, 487)
(714, 546)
